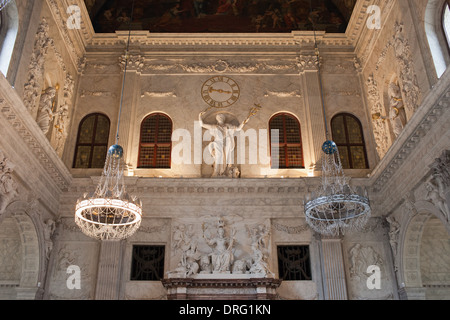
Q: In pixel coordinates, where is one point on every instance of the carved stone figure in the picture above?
(361, 257)
(8, 186)
(49, 229)
(222, 256)
(407, 74)
(259, 264)
(434, 197)
(239, 267)
(184, 241)
(409, 207)
(36, 67)
(441, 172)
(222, 148)
(397, 114)
(182, 238)
(205, 265)
(62, 116)
(190, 258)
(260, 236)
(45, 111)
(394, 230)
(379, 126)
(61, 122)
(260, 242)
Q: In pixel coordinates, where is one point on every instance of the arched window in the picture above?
(287, 153)
(92, 141)
(155, 146)
(437, 29)
(9, 26)
(446, 22)
(348, 136)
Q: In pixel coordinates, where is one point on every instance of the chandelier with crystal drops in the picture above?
(3, 4)
(110, 213)
(335, 208)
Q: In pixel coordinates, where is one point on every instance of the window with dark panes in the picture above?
(147, 263)
(446, 23)
(294, 263)
(92, 142)
(287, 152)
(348, 136)
(156, 142)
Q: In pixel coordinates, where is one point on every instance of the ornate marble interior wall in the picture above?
(280, 73)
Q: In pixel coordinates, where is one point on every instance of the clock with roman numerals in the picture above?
(220, 91)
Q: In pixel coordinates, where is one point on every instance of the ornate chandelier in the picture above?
(3, 4)
(334, 208)
(110, 213)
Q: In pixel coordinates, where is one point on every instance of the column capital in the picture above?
(135, 62)
(307, 62)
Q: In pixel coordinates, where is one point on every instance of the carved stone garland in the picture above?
(380, 128)
(58, 117)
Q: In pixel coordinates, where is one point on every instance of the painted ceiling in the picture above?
(220, 16)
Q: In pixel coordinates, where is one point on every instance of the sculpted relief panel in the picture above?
(43, 101)
(217, 247)
(368, 273)
(79, 255)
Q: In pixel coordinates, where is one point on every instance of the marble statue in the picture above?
(45, 113)
(222, 148)
(394, 233)
(260, 241)
(397, 113)
(222, 256)
(435, 198)
(8, 187)
(49, 229)
(259, 263)
(441, 172)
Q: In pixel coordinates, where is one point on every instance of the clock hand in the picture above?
(211, 89)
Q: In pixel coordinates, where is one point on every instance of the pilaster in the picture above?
(109, 266)
(335, 287)
(309, 68)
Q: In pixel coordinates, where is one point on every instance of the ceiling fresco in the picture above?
(220, 16)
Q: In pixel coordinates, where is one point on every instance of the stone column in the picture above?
(309, 69)
(335, 287)
(109, 271)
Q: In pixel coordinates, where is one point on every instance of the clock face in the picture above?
(220, 92)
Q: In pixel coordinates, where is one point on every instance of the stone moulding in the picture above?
(249, 289)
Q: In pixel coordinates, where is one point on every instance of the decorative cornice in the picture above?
(208, 187)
